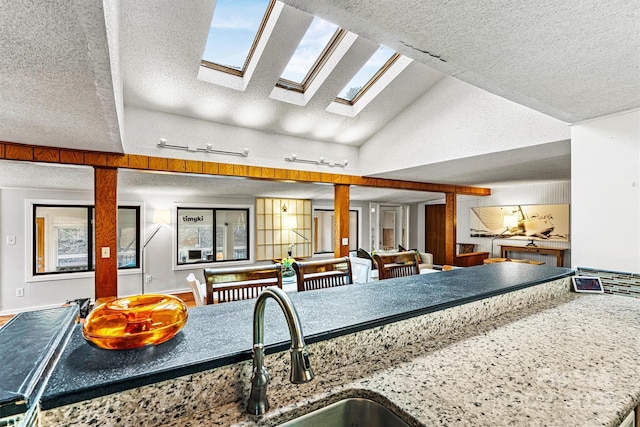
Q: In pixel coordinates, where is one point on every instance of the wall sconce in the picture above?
(208, 149)
(322, 161)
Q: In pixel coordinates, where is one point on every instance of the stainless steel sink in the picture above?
(351, 412)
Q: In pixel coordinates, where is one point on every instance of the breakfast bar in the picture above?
(483, 345)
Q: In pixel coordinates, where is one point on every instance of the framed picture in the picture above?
(587, 284)
(521, 222)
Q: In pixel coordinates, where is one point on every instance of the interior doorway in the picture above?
(435, 227)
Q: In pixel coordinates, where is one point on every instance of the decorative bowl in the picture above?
(135, 321)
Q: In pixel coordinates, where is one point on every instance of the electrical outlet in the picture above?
(148, 279)
(11, 240)
(19, 292)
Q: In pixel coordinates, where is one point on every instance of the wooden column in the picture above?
(450, 227)
(105, 226)
(341, 215)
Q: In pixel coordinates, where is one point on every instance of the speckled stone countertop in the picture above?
(572, 360)
(220, 335)
(539, 356)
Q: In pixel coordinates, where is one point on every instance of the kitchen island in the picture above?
(411, 343)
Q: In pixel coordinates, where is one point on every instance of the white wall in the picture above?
(456, 120)
(605, 177)
(144, 128)
(13, 258)
(51, 291)
(543, 193)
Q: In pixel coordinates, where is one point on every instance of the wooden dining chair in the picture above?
(321, 274)
(238, 283)
(400, 264)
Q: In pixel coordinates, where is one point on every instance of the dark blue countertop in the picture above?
(29, 343)
(221, 334)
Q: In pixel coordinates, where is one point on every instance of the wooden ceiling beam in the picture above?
(32, 153)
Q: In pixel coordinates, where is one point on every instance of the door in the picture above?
(388, 226)
(435, 216)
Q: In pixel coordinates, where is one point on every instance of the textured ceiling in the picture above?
(161, 50)
(573, 60)
(65, 72)
(55, 76)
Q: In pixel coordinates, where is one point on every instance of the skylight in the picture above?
(313, 48)
(234, 29)
(368, 74)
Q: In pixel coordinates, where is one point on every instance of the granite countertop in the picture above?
(221, 334)
(568, 361)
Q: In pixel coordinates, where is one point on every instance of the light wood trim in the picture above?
(341, 218)
(20, 152)
(106, 214)
(40, 254)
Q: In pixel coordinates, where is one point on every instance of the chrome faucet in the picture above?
(301, 371)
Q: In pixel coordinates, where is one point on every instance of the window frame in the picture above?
(252, 49)
(322, 59)
(356, 209)
(372, 81)
(250, 211)
(32, 264)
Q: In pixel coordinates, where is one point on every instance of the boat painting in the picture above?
(525, 222)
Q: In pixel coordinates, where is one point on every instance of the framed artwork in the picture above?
(523, 222)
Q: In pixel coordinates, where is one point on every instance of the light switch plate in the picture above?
(11, 240)
(345, 241)
(106, 252)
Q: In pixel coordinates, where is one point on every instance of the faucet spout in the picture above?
(301, 371)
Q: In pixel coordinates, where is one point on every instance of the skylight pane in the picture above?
(366, 73)
(313, 43)
(233, 29)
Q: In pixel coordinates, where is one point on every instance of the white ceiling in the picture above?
(66, 73)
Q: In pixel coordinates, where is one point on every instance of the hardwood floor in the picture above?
(4, 319)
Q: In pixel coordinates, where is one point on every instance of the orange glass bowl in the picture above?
(135, 321)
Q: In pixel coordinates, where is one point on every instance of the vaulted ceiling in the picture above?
(69, 69)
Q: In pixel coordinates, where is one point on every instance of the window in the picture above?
(64, 238)
(212, 235)
(315, 47)
(324, 221)
(235, 28)
(368, 74)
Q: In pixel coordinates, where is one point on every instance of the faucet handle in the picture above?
(301, 371)
(258, 403)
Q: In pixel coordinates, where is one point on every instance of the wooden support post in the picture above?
(105, 227)
(341, 215)
(450, 227)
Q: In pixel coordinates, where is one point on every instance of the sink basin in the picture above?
(352, 412)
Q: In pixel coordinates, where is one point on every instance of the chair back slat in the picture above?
(321, 274)
(239, 283)
(400, 264)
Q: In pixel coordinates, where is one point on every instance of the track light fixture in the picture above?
(208, 149)
(322, 161)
